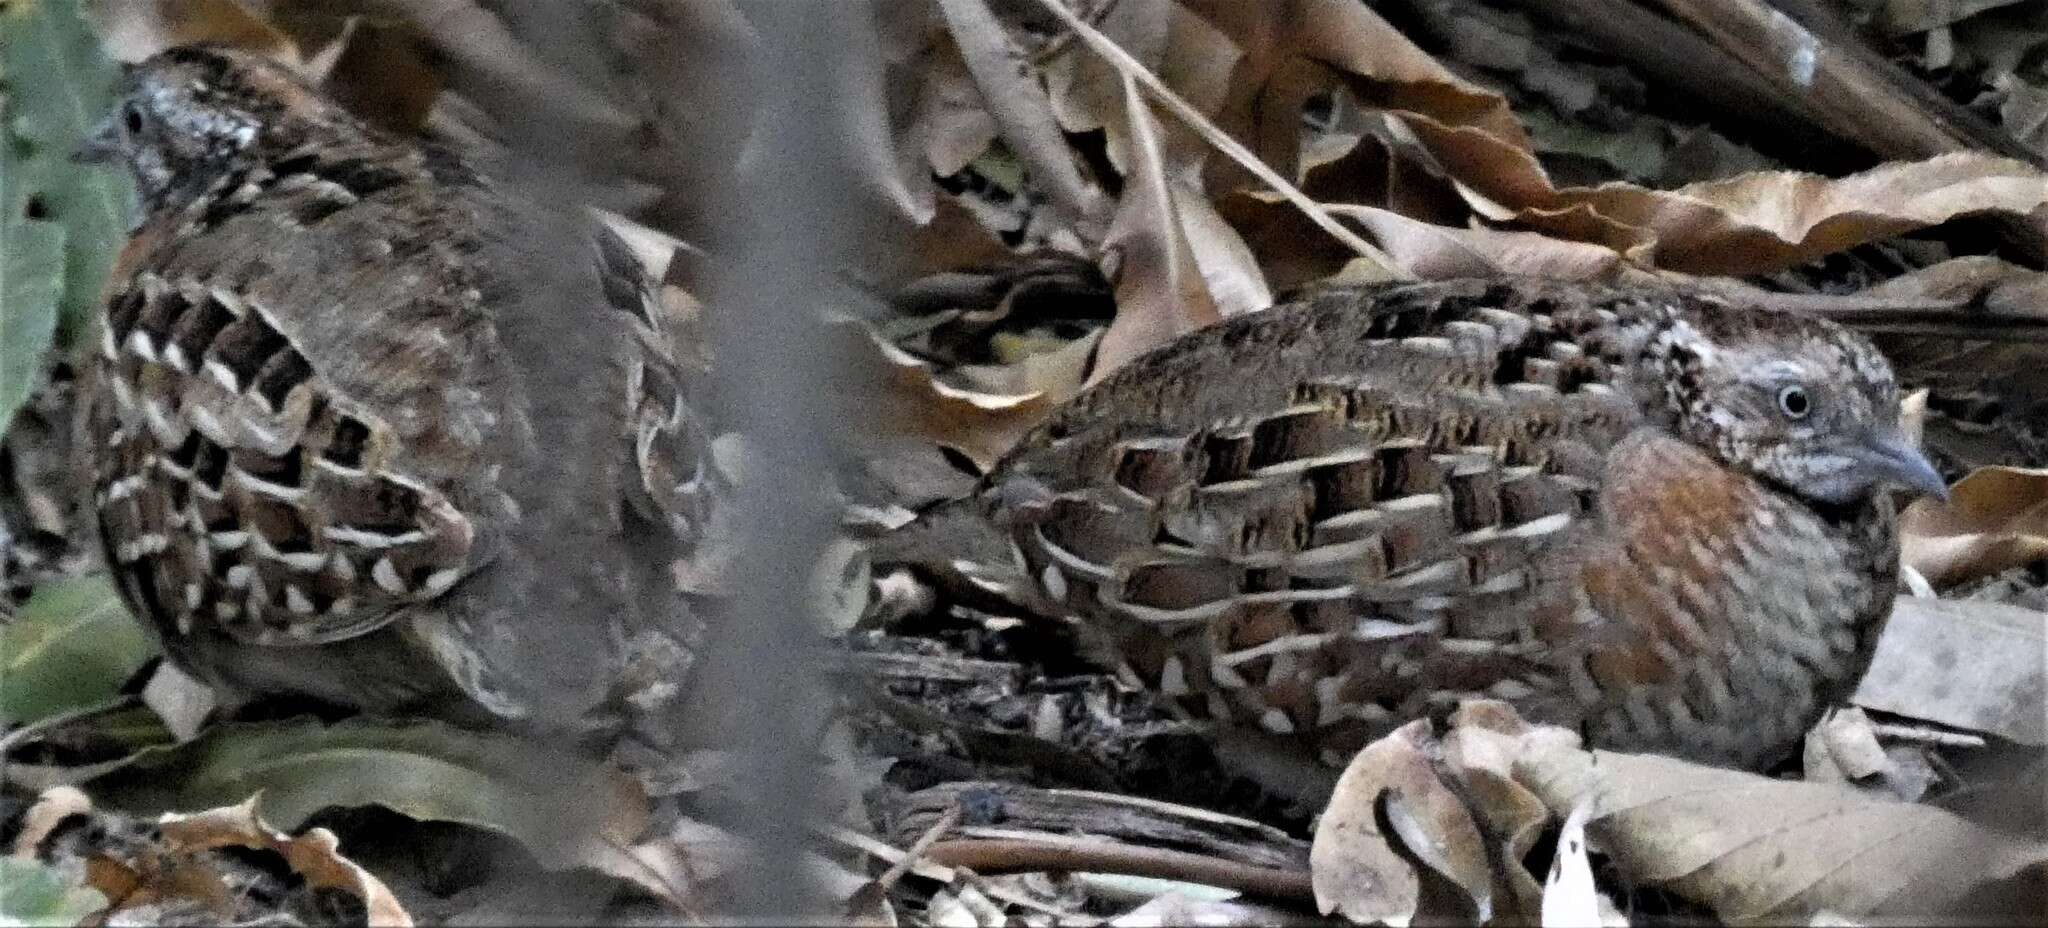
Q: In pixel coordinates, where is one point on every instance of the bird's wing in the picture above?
(1347, 468)
(295, 365)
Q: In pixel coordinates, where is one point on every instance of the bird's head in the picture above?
(1798, 401)
(190, 115)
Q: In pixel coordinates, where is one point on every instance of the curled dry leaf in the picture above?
(1190, 57)
(314, 856)
(1746, 224)
(1023, 113)
(144, 873)
(1160, 293)
(1776, 219)
(134, 31)
(1294, 253)
(899, 393)
(1754, 848)
(1994, 519)
(1758, 849)
(1353, 864)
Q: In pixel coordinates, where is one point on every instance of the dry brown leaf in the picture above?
(1569, 897)
(948, 239)
(1293, 253)
(1198, 122)
(2000, 285)
(1747, 224)
(1087, 92)
(1189, 56)
(950, 124)
(131, 31)
(1160, 293)
(1022, 111)
(1755, 849)
(897, 395)
(140, 872)
(1296, 50)
(1971, 665)
(314, 856)
(1995, 518)
(1763, 850)
(1435, 252)
(1765, 221)
(1384, 168)
(1353, 864)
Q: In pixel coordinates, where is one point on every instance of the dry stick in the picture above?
(1130, 66)
(1855, 96)
(1854, 93)
(1676, 57)
(1020, 107)
(1020, 855)
(946, 823)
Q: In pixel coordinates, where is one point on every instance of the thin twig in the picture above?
(1927, 735)
(1020, 855)
(1194, 119)
(946, 823)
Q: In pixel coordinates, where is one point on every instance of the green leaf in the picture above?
(55, 86)
(71, 646)
(549, 798)
(31, 279)
(34, 894)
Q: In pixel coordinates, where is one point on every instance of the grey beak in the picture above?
(103, 146)
(1894, 460)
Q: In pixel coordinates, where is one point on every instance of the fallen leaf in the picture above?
(899, 394)
(134, 31)
(1022, 111)
(1995, 518)
(140, 872)
(1569, 897)
(1292, 253)
(1160, 292)
(71, 646)
(1353, 864)
(1761, 850)
(1969, 665)
(562, 808)
(313, 857)
(34, 894)
(1765, 221)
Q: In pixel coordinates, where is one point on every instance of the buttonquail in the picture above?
(371, 427)
(1657, 516)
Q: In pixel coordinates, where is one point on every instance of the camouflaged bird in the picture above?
(369, 426)
(1659, 516)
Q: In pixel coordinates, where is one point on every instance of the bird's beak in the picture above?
(1893, 459)
(103, 146)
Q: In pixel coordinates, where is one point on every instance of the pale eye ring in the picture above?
(1794, 403)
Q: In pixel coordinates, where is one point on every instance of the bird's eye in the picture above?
(131, 118)
(1793, 402)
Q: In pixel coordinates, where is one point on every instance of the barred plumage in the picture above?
(370, 426)
(1336, 515)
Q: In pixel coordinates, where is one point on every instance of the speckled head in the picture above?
(189, 114)
(1798, 401)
